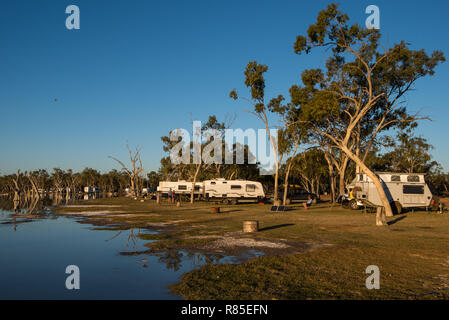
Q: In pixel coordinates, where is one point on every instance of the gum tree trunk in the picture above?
(192, 194)
(284, 200)
(341, 173)
(382, 195)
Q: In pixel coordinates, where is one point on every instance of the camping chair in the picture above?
(307, 204)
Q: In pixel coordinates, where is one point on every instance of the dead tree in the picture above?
(134, 171)
(16, 198)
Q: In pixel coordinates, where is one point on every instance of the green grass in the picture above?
(336, 273)
(158, 236)
(412, 252)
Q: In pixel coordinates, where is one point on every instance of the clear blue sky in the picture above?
(138, 69)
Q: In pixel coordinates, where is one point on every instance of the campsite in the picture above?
(326, 245)
(225, 150)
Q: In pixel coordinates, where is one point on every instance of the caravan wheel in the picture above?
(353, 204)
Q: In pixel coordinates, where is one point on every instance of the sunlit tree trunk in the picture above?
(284, 200)
(192, 194)
(379, 187)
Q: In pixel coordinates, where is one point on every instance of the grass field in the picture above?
(321, 253)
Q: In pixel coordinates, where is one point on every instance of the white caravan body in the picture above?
(408, 189)
(216, 189)
(179, 187)
(233, 189)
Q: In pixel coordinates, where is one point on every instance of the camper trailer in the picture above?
(179, 187)
(404, 190)
(228, 191)
(233, 190)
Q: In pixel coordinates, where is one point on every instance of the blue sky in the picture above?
(138, 69)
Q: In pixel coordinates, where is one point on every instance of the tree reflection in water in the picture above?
(133, 237)
(172, 259)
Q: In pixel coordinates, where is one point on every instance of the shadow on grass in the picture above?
(277, 226)
(396, 220)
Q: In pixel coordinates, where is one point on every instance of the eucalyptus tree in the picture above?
(220, 127)
(205, 151)
(364, 83)
(288, 145)
(311, 167)
(409, 153)
(438, 182)
(58, 179)
(197, 151)
(42, 180)
(89, 177)
(248, 170)
(262, 109)
(72, 182)
(17, 187)
(153, 179)
(33, 179)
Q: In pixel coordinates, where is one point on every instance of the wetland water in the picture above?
(34, 254)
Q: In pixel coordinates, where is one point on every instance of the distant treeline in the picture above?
(311, 171)
(62, 181)
(308, 169)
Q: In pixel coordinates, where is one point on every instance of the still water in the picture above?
(34, 255)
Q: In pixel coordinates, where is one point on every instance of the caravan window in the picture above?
(361, 177)
(413, 189)
(182, 187)
(236, 187)
(396, 178)
(413, 178)
(197, 188)
(250, 187)
(212, 182)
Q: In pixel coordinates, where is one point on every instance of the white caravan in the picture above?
(404, 190)
(228, 191)
(179, 187)
(233, 190)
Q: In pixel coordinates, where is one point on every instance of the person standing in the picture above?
(169, 195)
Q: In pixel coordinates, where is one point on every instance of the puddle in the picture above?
(113, 264)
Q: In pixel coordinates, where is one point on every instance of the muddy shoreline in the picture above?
(226, 244)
